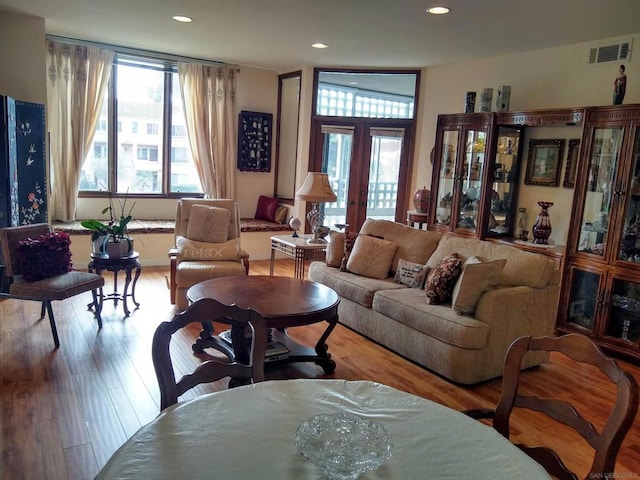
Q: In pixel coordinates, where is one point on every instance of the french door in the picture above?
(367, 163)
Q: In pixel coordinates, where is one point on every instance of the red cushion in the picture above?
(442, 279)
(45, 257)
(266, 209)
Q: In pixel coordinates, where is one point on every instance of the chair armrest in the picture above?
(244, 258)
(173, 265)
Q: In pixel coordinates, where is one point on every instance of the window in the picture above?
(143, 104)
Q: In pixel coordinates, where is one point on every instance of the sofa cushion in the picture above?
(442, 278)
(208, 224)
(522, 268)
(371, 257)
(335, 249)
(475, 279)
(281, 214)
(407, 306)
(190, 272)
(413, 245)
(192, 250)
(411, 274)
(349, 242)
(353, 287)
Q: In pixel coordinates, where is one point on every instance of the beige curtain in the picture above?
(209, 98)
(78, 79)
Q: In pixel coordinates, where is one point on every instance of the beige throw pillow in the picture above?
(476, 278)
(208, 224)
(335, 249)
(193, 250)
(371, 257)
(411, 274)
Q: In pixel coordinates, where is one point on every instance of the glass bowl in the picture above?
(343, 444)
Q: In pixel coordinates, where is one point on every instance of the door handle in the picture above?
(351, 202)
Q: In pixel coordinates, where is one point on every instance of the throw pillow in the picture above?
(335, 249)
(411, 274)
(208, 224)
(193, 250)
(371, 257)
(476, 278)
(266, 209)
(442, 279)
(349, 241)
(44, 257)
(281, 214)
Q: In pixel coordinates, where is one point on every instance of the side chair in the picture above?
(203, 311)
(46, 290)
(606, 443)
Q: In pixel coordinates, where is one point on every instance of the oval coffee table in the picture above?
(283, 302)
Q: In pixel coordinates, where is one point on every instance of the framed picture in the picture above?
(572, 163)
(254, 141)
(543, 162)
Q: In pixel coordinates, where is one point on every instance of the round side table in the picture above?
(100, 262)
(413, 217)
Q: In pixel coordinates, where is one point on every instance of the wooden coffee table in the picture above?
(283, 302)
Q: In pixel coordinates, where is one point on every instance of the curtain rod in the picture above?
(138, 51)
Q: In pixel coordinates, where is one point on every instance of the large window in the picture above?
(140, 132)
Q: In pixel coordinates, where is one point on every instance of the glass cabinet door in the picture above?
(583, 299)
(629, 247)
(505, 180)
(603, 166)
(624, 312)
(446, 176)
(470, 184)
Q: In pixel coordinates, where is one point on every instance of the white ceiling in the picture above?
(277, 34)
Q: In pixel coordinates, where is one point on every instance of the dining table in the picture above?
(249, 432)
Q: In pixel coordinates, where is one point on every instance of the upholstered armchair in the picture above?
(207, 245)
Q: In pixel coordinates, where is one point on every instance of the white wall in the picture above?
(549, 78)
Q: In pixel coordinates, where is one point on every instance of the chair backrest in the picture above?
(606, 443)
(10, 237)
(206, 310)
(184, 208)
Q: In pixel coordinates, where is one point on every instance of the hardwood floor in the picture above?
(64, 412)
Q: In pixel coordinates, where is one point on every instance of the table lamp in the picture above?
(316, 189)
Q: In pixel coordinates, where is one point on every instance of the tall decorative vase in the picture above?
(542, 226)
(421, 200)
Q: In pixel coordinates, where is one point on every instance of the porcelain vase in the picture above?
(120, 249)
(421, 200)
(542, 226)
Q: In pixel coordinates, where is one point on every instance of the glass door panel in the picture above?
(603, 165)
(337, 153)
(384, 171)
(446, 176)
(629, 248)
(505, 181)
(624, 315)
(471, 184)
(583, 298)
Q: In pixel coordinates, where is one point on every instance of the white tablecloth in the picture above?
(248, 433)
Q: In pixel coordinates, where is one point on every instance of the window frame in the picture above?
(115, 128)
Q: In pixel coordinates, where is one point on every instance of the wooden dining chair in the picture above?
(203, 311)
(605, 443)
(45, 290)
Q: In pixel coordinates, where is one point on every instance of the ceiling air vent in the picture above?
(610, 53)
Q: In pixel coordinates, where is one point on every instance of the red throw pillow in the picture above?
(45, 257)
(442, 279)
(266, 209)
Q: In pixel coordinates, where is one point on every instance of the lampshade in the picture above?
(316, 189)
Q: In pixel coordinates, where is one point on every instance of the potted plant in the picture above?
(111, 237)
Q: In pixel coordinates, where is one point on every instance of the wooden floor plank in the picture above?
(93, 392)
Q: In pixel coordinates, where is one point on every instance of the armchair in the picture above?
(193, 261)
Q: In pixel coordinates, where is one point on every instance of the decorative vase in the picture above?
(98, 246)
(542, 226)
(421, 200)
(120, 249)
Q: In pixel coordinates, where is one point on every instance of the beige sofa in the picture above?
(464, 348)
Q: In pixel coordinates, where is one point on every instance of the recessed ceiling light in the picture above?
(438, 10)
(181, 18)
(320, 45)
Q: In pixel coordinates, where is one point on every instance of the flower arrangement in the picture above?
(116, 228)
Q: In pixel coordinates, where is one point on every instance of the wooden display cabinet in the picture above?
(601, 287)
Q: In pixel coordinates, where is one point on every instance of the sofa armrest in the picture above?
(244, 258)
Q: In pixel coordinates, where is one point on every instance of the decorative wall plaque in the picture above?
(254, 141)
